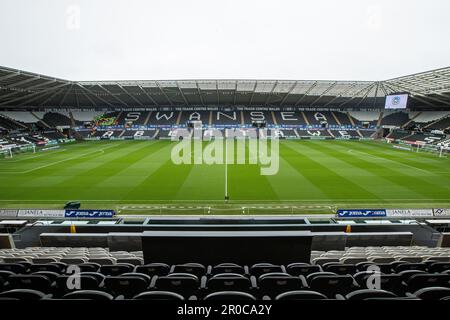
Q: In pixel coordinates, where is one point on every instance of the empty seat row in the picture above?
(429, 293)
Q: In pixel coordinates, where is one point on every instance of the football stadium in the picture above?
(204, 190)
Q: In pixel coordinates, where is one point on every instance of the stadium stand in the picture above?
(395, 119)
(55, 119)
(42, 273)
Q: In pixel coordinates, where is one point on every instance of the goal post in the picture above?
(10, 151)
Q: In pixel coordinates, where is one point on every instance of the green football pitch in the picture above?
(315, 176)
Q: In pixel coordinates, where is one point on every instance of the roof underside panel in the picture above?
(24, 89)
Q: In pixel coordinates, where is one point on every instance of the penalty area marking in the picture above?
(56, 162)
(376, 157)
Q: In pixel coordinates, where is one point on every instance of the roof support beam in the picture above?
(340, 95)
(112, 95)
(128, 94)
(40, 93)
(199, 93)
(422, 95)
(253, 93)
(270, 94)
(306, 93)
(65, 95)
(324, 92)
(288, 93)
(83, 89)
(164, 94)
(182, 95)
(357, 93)
(148, 96)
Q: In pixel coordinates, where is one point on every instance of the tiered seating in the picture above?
(133, 118)
(397, 119)
(398, 134)
(81, 117)
(54, 119)
(425, 138)
(251, 116)
(139, 134)
(428, 116)
(163, 118)
(226, 118)
(293, 118)
(343, 118)
(442, 124)
(7, 124)
(53, 135)
(317, 118)
(187, 116)
(365, 117)
(20, 116)
(367, 133)
(345, 133)
(404, 273)
(313, 133)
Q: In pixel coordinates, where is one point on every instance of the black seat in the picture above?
(229, 295)
(65, 284)
(419, 281)
(301, 295)
(22, 294)
(388, 282)
(127, 286)
(89, 267)
(410, 266)
(49, 274)
(382, 267)
(158, 295)
(88, 295)
(272, 284)
(4, 275)
(30, 281)
(409, 273)
(261, 268)
(364, 294)
(142, 276)
(196, 269)
(182, 283)
(116, 269)
(340, 268)
(432, 293)
(438, 267)
(97, 275)
(228, 268)
(228, 282)
(154, 269)
(330, 285)
(45, 267)
(362, 266)
(13, 267)
(297, 269)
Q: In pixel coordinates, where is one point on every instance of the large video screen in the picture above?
(396, 101)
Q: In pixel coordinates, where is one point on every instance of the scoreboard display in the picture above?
(396, 101)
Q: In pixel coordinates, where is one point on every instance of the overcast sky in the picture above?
(227, 39)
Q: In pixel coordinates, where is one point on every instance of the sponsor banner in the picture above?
(360, 213)
(38, 213)
(441, 212)
(8, 213)
(89, 213)
(409, 212)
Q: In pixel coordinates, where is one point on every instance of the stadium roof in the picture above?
(24, 89)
